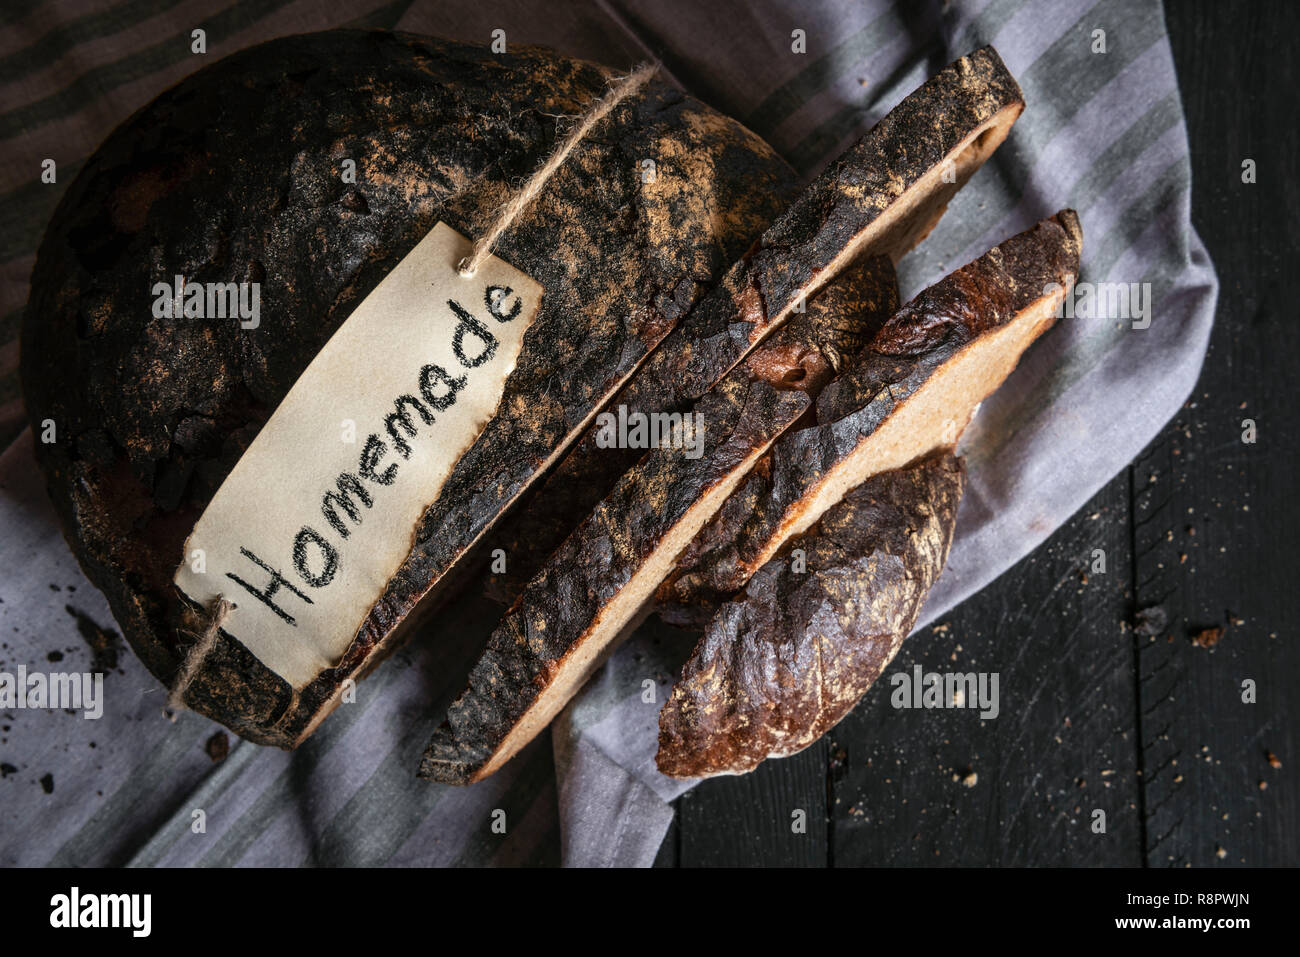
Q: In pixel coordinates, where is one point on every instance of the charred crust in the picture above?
(791, 655)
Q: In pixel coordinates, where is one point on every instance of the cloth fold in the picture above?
(1103, 132)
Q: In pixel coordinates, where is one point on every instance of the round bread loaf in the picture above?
(234, 175)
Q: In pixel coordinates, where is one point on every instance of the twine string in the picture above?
(615, 95)
(207, 641)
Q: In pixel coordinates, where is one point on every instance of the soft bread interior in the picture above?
(932, 417)
(587, 653)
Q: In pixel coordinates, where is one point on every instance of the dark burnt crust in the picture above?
(553, 615)
(981, 296)
(922, 336)
(233, 175)
(840, 204)
(786, 660)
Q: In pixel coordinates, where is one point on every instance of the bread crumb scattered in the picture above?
(1207, 637)
(218, 747)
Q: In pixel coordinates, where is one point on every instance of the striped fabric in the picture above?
(1103, 133)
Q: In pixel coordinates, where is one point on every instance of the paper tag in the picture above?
(321, 510)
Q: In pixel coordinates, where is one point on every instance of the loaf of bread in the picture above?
(816, 413)
(237, 175)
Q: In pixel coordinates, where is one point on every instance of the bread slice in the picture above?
(597, 582)
(912, 390)
(881, 197)
(783, 662)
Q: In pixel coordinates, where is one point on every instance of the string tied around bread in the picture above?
(619, 91)
(221, 609)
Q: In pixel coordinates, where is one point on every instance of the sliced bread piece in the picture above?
(913, 389)
(788, 658)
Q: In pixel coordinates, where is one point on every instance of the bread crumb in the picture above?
(218, 747)
(1207, 637)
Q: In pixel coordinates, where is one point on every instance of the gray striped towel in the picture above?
(1103, 133)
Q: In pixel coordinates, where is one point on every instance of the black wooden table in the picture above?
(1199, 531)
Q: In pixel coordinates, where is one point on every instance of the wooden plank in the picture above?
(1215, 519)
(668, 855)
(749, 821)
(1061, 746)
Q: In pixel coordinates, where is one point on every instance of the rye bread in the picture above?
(786, 659)
(880, 197)
(913, 389)
(234, 175)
